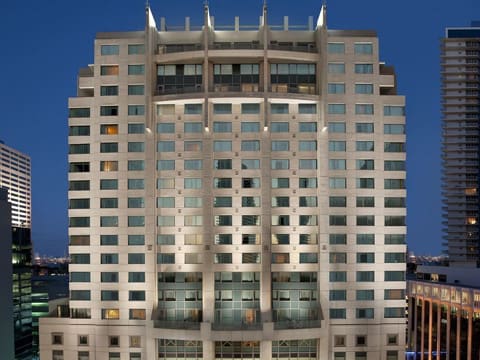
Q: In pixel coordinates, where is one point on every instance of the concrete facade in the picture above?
(235, 193)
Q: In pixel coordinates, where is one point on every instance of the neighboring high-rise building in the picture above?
(7, 338)
(461, 114)
(235, 193)
(444, 302)
(15, 177)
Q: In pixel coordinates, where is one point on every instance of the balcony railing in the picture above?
(177, 324)
(180, 90)
(297, 324)
(236, 327)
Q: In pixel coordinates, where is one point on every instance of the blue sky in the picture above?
(44, 43)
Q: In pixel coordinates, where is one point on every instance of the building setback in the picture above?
(235, 193)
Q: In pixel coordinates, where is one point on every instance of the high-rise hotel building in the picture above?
(461, 113)
(235, 192)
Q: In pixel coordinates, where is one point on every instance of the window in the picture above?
(79, 185)
(109, 203)
(394, 165)
(280, 220)
(363, 48)
(192, 202)
(338, 314)
(337, 201)
(364, 109)
(363, 88)
(57, 354)
(308, 201)
(80, 258)
(136, 240)
(222, 164)
(79, 204)
(222, 109)
(111, 314)
(365, 201)
(307, 220)
(193, 220)
(395, 258)
(335, 145)
(136, 49)
(280, 164)
(394, 294)
(134, 110)
(394, 202)
(136, 128)
(222, 127)
(363, 68)
(222, 258)
(280, 239)
(395, 221)
(280, 258)
(336, 68)
(136, 221)
(251, 220)
(337, 239)
(391, 110)
(250, 108)
(364, 313)
(192, 127)
(250, 145)
(365, 295)
(336, 48)
(79, 149)
(79, 130)
(136, 258)
(166, 239)
(223, 239)
(394, 239)
(82, 340)
(250, 183)
(309, 127)
(365, 220)
(79, 167)
(189, 183)
(280, 145)
(365, 183)
(279, 108)
(364, 128)
(222, 183)
(336, 88)
(109, 70)
(78, 113)
(166, 128)
(109, 166)
(365, 258)
(307, 108)
(365, 276)
(136, 165)
(279, 127)
(364, 146)
(166, 220)
(193, 109)
(136, 277)
(223, 220)
(392, 355)
(109, 258)
(109, 110)
(80, 295)
(336, 109)
(110, 90)
(251, 258)
(136, 295)
(394, 312)
(364, 164)
(338, 276)
(109, 49)
(136, 69)
(337, 164)
(136, 147)
(334, 127)
(310, 145)
(250, 201)
(308, 258)
(109, 295)
(135, 184)
(337, 183)
(57, 338)
(79, 222)
(250, 127)
(280, 183)
(394, 129)
(338, 295)
(165, 258)
(109, 147)
(166, 165)
(394, 147)
(338, 258)
(394, 183)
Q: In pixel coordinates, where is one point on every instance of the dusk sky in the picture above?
(44, 43)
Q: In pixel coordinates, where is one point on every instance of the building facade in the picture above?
(235, 193)
(16, 179)
(461, 113)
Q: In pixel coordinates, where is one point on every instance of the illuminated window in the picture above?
(110, 314)
(109, 165)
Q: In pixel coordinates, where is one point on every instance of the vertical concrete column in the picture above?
(448, 331)
(439, 329)
(459, 325)
(422, 331)
(208, 350)
(430, 327)
(470, 330)
(266, 350)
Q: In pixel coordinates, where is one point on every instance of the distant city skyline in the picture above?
(48, 43)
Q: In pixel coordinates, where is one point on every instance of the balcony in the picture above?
(309, 47)
(178, 90)
(236, 88)
(176, 324)
(297, 324)
(243, 326)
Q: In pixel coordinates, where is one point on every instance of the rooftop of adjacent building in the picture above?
(472, 31)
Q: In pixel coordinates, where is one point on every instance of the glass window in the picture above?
(166, 128)
(250, 108)
(364, 145)
(109, 295)
(363, 313)
(192, 183)
(76, 276)
(80, 295)
(394, 239)
(222, 164)
(165, 202)
(134, 240)
(394, 183)
(363, 48)
(223, 220)
(222, 183)
(136, 258)
(280, 145)
(395, 221)
(279, 108)
(136, 90)
(393, 110)
(166, 165)
(394, 165)
(136, 128)
(222, 108)
(277, 127)
(193, 127)
(250, 201)
(222, 201)
(249, 220)
(136, 184)
(364, 127)
(79, 185)
(134, 110)
(307, 164)
(109, 49)
(337, 183)
(166, 239)
(80, 258)
(334, 127)
(109, 258)
(247, 127)
(109, 203)
(364, 109)
(108, 166)
(166, 220)
(250, 183)
(109, 90)
(337, 164)
(338, 276)
(108, 240)
(363, 68)
(280, 239)
(136, 69)
(365, 258)
(365, 239)
(108, 221)
(336, 88)
(363, 88)
(307, 127)
(365, 276)
(136, 146)
(136, 202)
(136, 49)
(280, 201)
(336, 145)
(307, 220)
(394, 147)
(222, 145)
(365, 164)
(192, 202)
(336, 48)
(365, 220)
(338, 220)
(394, 129)
(280, 164)
(79, 131)
(307, 108)
(108, 147)
(192, 109)
(336, 108)
(250, 145)
(336, 68)
(365, 201)
(280, 183)
(108, 184)
(337, 201)
(338, 258)
(78, 113)
(394, 275)
(222, 127)
(136, 165)
(337, 239)
(109, 70)
(109, 110)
